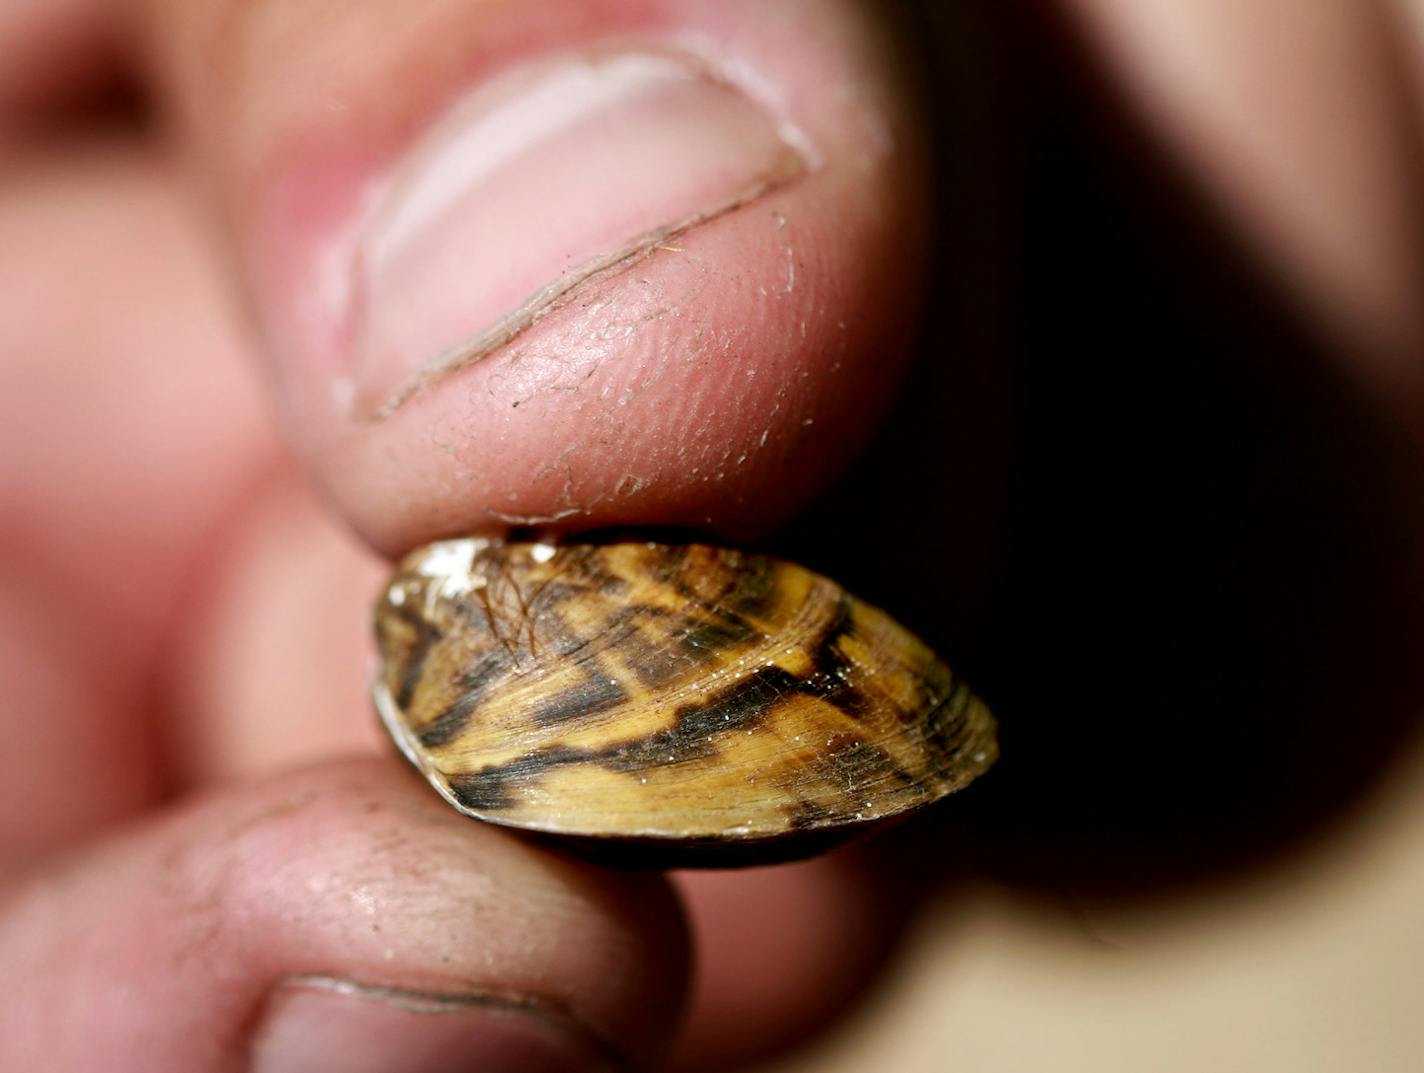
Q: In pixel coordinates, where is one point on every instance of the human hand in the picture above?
(188, 625)
(698, 357)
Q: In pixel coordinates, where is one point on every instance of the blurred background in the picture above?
(1199, 618)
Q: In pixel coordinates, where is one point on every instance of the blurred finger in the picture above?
(1298, 119)
(130, 428)
(781, 952)
(279, 624)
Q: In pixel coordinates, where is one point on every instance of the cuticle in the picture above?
(434, 1002)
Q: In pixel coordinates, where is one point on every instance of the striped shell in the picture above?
(704, 706)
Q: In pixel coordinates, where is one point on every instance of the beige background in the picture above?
(1314, 966)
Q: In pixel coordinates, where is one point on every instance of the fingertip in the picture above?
(654, 265)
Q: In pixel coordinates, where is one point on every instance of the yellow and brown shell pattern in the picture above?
(701, 704)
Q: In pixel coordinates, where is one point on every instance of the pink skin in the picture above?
(312, 874)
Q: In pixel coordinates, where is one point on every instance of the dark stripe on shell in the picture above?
(705, 639)
(734, 708)
(693, 735)
(738, 705)
(410, 663)
(754, 592)
(803, 814)
(595, 694)
(489, 789)
(472, 688)
(656, 663)
(835, 673)
(748, 587)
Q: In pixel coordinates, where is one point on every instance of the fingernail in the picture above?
(549, 175)
(316, 1024)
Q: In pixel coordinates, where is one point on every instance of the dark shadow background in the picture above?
(1131, 496)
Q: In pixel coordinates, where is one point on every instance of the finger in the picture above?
(539, 264)
(338, 918)
(280, 623)
(1299, 121)
(122, 360)
(130, 427)
(781, 952)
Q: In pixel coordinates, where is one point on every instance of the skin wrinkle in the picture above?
(545, 1008)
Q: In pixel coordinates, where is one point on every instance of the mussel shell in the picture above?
(676, 704)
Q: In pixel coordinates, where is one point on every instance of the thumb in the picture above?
(562, 264)
(336, 918)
